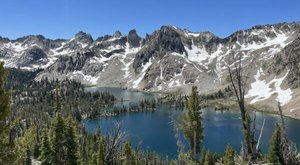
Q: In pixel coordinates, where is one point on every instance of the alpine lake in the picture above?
(153, 131)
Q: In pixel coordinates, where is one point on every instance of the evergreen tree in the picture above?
(24, 145)
(172, 162)
(275, 154)
(191, 122)
(6, 148)
(209, 158)
(129, 155)
(101, 152)
(57, 100)
(71, 143)
(58, 138)
(45, 149)
(229, 156)
(93, 161)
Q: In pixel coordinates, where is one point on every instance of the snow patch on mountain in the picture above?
(261, 90)
(142, 74)
(283, 95)
(16, 47)
(87, 78)
(280, 40)
(185, 57)
(192, 34)
(197, 54)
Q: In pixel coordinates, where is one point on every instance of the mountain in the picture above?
(171, 59)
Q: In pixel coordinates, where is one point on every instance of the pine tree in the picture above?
(58, 139)
(172, 162)
(93, 161)
(191, 122)
(229, 156)
(101, 152)
(24, 145)
(208, 158)
(275, 154)
(6, 148)
(71, 143)
(129, 155)
(57, 100)
(45, 149)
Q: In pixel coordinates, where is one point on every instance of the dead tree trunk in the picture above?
(238, 84)
(288, 148)
(260, 135)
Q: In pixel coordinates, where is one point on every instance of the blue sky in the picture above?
(64, 18)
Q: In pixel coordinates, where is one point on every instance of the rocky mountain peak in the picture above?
(30, 38)
(161, 42)
(84, 37)
(4, 40)
(167, 29)
(262, 33)
(133, 38)
(167, 38)
(118, 34)
(207, 36)
(103, 38)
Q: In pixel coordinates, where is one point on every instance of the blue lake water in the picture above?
(154, 131)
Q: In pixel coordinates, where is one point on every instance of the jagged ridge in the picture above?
(169, 59)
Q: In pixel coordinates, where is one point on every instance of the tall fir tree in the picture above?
(229, 155)
(58, 138)
(209, 158)
(191, 122)
(93, 160)
(101, 152)
(57, 100)
(24, 145)
(275, 155)
(71, 143)
(45, 149)
(129, 154)
(7, 153)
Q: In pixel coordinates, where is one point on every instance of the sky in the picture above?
(64, 18)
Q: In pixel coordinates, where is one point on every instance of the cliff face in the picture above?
(288, 59)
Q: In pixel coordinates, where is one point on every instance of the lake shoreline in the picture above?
(230, 104)
(216, 103)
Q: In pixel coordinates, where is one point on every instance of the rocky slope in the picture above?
(171, 59)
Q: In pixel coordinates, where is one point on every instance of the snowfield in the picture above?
(261, 90)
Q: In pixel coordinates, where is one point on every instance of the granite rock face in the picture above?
(35, 55)
(133, 38)
(288, 58)
(159, 44)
